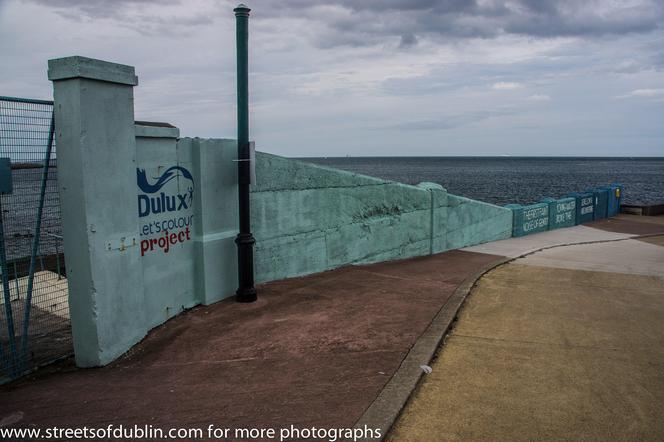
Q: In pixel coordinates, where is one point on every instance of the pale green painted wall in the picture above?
(307, 218)
(95, 135)
(471, 222)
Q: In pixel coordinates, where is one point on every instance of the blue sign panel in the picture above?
(584, 206)
(600, 200)
(529, 219)
(562, 212)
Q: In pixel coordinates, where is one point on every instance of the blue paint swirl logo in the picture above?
(165, 211)
(163, 202)
(169, 174)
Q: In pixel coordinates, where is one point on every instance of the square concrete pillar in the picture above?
(96, 150)
(216, 219)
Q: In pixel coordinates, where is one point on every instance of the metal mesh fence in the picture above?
(41, 330)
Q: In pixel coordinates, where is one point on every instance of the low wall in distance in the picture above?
(584, 206)
(576, 208)
(529, 219)
(562, 212)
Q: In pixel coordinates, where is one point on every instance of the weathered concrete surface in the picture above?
(629, 256)
(94, 116)
(315, 350)
(545, 353)
(384, 411)
(307, 218)
(657, 240)
(216, 222)
(514, 247)
(633, 224)
(472, 222)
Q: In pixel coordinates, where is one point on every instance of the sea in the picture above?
(497, 180)
(520, 180)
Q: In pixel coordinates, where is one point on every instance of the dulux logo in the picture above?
(163, 203)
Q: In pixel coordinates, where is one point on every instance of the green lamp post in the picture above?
(246, 291)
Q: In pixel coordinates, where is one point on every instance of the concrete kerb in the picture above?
(386, 408)
(393, 398)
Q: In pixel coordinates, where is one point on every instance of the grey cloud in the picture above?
(658, 60)
(408, 39)
(446, 122)
(99, 8)
(416, 78)
(456, 76)
(567, 20)
(434, 83)
(372, 21)
(138, 15)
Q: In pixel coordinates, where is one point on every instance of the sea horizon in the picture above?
(504, 180)
(489, 156)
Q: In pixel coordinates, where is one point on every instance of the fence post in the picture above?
(94, 120)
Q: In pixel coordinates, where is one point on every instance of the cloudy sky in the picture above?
(373, 77)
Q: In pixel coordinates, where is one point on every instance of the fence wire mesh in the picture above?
(24, 137)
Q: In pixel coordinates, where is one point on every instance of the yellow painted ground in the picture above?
(544, 353)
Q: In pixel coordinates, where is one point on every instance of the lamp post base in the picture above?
(246, 294)
(246, 291)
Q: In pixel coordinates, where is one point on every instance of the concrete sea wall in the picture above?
(576, 208)
(471, 222)
(308, 218)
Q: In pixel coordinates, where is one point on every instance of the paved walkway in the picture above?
(563, 344)
(535, 340)
(313, 351)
